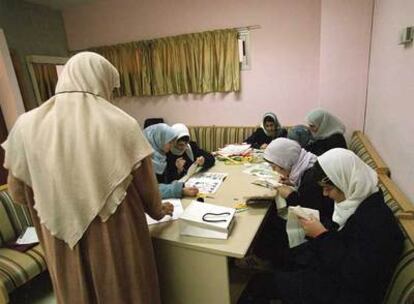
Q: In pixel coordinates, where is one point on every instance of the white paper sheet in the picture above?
(294, 230)
(178, 210)
(194, 168)
(28, 237)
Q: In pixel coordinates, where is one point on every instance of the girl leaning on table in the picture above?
(349, 264)
(184, 153)
(161, 137)
(299, 187)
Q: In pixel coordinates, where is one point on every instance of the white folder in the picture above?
(207, 220)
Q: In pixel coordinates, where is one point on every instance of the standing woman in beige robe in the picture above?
(84, 169)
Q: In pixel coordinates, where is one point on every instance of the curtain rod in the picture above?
(249, 27)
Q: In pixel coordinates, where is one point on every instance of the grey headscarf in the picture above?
(327, 123)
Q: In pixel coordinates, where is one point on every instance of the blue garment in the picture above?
(300, 134)
(158, 135)
(173, 190)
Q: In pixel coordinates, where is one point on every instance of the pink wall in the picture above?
(285, 53)
(11, 102)
(390, 121)
(345, 40)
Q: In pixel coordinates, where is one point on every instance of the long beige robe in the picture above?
(114, 261)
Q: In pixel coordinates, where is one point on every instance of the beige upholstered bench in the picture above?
(16, 268)
(362, 147)
(211, 138)
(401, 288)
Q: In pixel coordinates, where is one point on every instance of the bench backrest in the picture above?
(14, 218)
(361, 146)
(211, 138)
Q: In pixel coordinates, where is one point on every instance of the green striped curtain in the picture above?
(193, 63)
(46, 76)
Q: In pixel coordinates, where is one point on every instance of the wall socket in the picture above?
(407, 35)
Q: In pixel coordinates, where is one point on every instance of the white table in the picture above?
(195, 270)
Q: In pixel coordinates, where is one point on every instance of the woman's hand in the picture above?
(284, 191)
(167, 209)
(200, 161)
(190, 191)
(286, 181)
(179, 163)
(312, 227)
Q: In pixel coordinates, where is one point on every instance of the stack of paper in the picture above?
(178, 210)
(294, 229)
(230, 150)
(207, 220)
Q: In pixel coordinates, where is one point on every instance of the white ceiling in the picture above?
(59, 4)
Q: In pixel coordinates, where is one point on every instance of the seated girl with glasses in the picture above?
(350, 264)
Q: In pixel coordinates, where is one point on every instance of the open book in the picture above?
(294, 230)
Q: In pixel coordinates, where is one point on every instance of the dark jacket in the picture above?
(310, 195)
(320, 146)
(259, 137)
(353, 265)
(171, 172)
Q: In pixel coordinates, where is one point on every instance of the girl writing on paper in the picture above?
(185, 153)
(161, 137)
(351, 264)
(294, 164)
(269, 130)
(327, 131)
(83, 167)
(299, 187)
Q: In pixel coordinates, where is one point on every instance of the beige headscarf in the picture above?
(352, 176)
(77, 150)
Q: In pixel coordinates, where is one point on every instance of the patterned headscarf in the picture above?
(300, 134)
(158, 135)
(276, 121)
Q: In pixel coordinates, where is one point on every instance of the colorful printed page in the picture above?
(206, 182)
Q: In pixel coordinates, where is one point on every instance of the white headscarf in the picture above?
(77, 150)
(182, 131)
(158, 135)
(289, 155)
(352, 176)
(326, 123)
(276, 121)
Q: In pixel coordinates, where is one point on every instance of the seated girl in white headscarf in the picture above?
(351, 264)
(327, 131)
(270, 129)
(184, 153)
(161, 137)
(294, 164)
